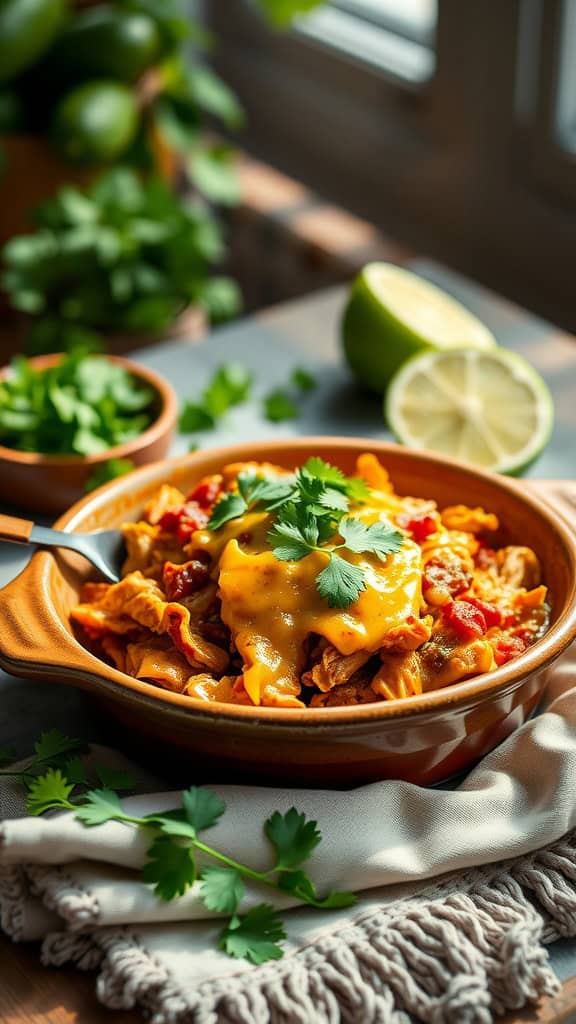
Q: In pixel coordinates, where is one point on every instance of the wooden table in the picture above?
(304, 332)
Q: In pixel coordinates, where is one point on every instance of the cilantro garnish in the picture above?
(83, 405)
(278, 407)
(176, 838)
(309, 510)
(303, 380)
(230, 385)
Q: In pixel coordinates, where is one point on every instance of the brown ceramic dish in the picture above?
(49, 484)
(422, 739)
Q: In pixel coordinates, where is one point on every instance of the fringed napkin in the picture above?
(457, 951)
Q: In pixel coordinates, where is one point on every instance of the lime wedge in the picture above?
(392, 314)
(490, 408)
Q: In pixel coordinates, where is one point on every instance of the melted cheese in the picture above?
(271, 607)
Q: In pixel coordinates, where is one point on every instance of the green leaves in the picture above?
(292, 836)
(254, 936)
(100, 805)
(49, 791)
(230, 385)
(281, 12)
(341, 582)
(82, 405)
(382, 539)
(222, 889)
(171, 868)
(203, 807)
(310, 509)
(278, 407)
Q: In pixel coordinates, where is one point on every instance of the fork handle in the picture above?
(17, 530)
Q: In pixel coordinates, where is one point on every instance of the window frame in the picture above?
(450, 167)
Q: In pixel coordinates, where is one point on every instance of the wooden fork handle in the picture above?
(17, 530)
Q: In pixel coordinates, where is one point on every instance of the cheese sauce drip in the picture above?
(271, 607)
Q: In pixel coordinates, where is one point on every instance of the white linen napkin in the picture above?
(459, 951)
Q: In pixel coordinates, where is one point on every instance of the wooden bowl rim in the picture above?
(160, 426)
(77, 663)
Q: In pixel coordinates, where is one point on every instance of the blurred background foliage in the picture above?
(112, 169)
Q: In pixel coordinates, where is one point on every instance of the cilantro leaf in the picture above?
(229, 507)
(195, 417)
(292, 836)
(173, 823)
(300, 885)
(356, 488)
(53, 744)
(230, 385)
(202, 806)
(303, 380)
(114, 778)
(101, 805)
(221, 889)
(254, 936)
(170, 868)
(75, 772)
(340, 583)
(381, 539)
(269, 490)
(48, 791)
(288, 544)
(278, 407)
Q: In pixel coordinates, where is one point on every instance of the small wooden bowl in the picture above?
(49, 484)
(422, 739)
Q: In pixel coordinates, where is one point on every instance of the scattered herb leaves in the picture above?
(279, 407)
(230, 385)
(171, 866)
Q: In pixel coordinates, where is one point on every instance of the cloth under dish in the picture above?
(458, 950)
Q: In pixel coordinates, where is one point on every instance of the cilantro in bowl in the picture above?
(81, 405)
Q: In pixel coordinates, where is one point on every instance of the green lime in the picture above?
(491, 408)
(27, 29)
(106, 41)
(392, 313)
(95, 122)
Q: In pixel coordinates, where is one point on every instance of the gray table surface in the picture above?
(304, 333)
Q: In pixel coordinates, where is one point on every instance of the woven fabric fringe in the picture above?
(463, 952)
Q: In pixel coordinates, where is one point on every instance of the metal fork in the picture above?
(104, 548)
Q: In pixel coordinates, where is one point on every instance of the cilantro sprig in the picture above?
(309, 510)
(176, 840)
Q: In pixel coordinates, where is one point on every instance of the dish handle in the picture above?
(32, 640)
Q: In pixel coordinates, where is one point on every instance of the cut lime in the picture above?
(490, 408)
(392, 314)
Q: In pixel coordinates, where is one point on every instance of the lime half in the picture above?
(490, 408)
(392, 314)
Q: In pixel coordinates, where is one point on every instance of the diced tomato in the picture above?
(467, 621)
(485, 556)
(451, 576)
(491, 613)
(508, 647)
(181, 580)
(184, 520)
(420, 526)
(207, 492)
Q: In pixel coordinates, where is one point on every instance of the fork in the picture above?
(103, 548)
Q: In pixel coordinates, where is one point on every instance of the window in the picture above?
(396, 36)
(451, 125)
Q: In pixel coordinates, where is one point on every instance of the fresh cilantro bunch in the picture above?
(309, 509)
(127, 254)
(58, 780)
(81, 406)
